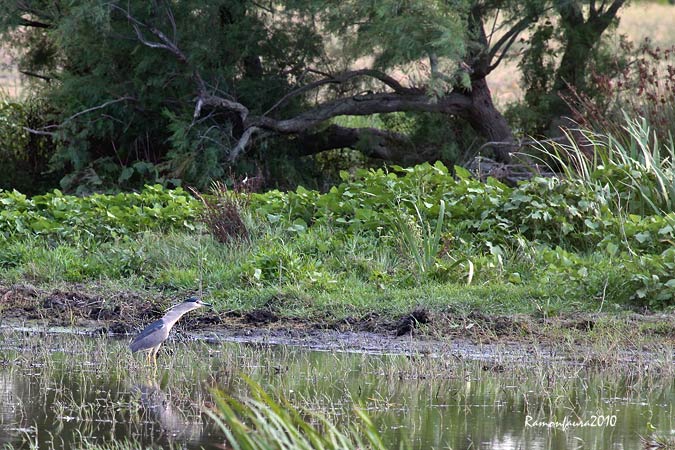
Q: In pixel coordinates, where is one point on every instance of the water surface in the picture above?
(69, 391)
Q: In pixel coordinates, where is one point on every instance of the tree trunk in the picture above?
(488, 121)
(482, 114)
(581, 36)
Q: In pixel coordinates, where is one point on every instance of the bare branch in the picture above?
(339, 79)
(172, 21)
(43, 131)
(494, 26)
(504, 52)
(198, 108)
(613, 9)
(243, 142)
(203, 98)
(220, 102)
(337, 137)
(360, 105)
(510, 35)
(34, 24)
(94, 108)
(39, 132)
(264, 8)
(36, 75)
(164, 41)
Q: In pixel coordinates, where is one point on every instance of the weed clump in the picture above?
(223, 209)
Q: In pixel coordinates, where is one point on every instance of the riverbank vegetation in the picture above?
(382, 241)
(344, 168)
(121, 95)
(386, 199)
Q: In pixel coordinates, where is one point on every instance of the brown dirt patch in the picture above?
(425, 330)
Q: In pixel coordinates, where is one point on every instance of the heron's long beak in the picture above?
(205, 304)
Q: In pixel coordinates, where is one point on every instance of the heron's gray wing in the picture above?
(149, 337)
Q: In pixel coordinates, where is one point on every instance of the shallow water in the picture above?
(67, 391)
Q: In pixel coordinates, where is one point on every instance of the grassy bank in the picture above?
(384, 243)
(381, 243)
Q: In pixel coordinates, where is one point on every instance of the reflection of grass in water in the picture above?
(658, 442)
(70, 368)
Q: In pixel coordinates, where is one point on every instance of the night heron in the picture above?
(153, 335)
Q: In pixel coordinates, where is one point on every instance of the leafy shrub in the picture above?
(550, 216)
(97, 217)
(564, 235)
(24, 156)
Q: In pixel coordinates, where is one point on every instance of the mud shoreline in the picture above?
(577, 338)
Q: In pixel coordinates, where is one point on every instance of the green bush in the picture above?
(24, 156)
(377, 230)
(97, 217)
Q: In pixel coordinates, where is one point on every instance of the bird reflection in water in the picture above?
(163, 409)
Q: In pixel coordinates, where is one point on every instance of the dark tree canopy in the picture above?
(184, 89)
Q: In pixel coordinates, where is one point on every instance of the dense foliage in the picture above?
(146, 131)
(377, 229)
(174, 92)
(24, 156)
(97, 217)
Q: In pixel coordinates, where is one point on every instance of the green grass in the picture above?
(380, 242)
(632, 163)
(261, 422)
(302, 281)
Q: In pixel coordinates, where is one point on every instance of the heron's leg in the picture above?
(155, 351)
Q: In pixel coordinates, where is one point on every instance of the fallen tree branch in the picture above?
(464, 104)
(243, 142)
(342, 78)
(361, 105)
(220, 102)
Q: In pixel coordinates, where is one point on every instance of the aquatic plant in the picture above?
(261, 423)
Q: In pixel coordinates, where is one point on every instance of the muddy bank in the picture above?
(596, 337)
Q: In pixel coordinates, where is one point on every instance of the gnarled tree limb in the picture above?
(475, 106)
(372, 142)
(362, 105)
(342, 78)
